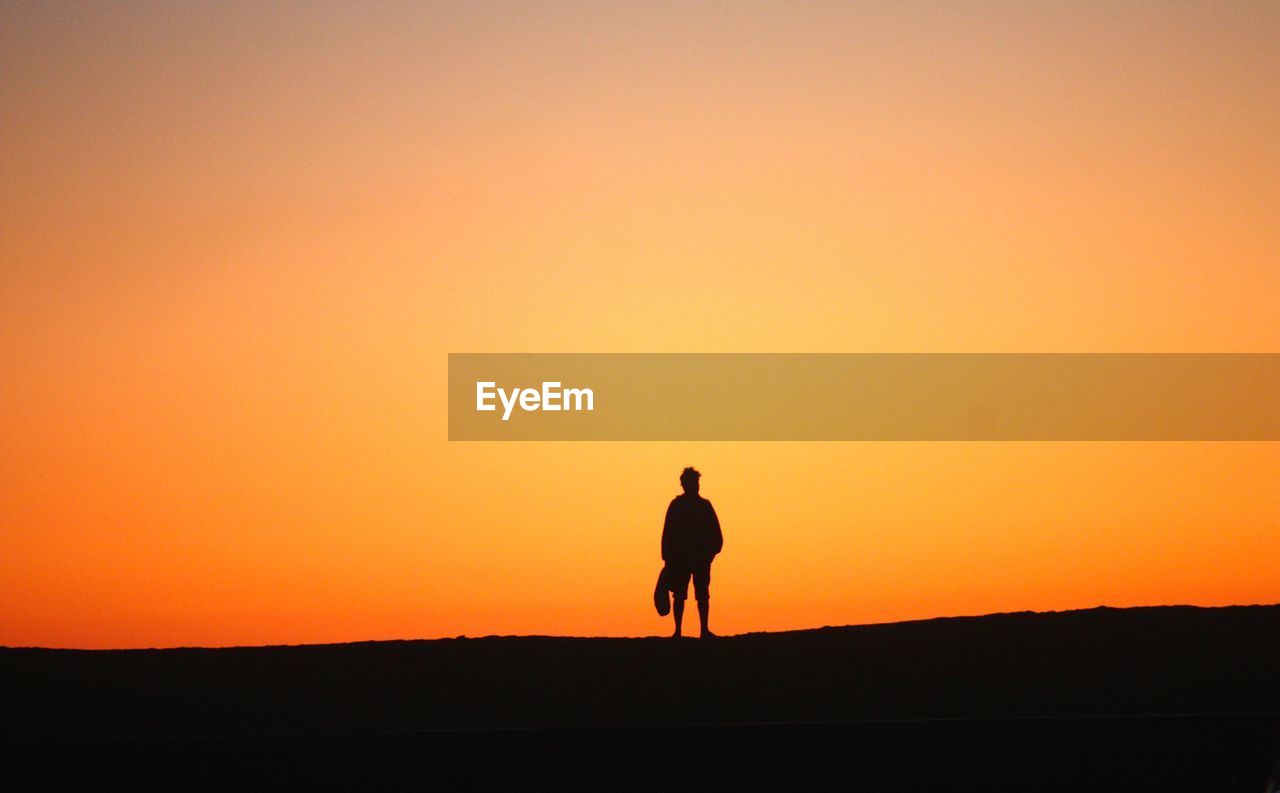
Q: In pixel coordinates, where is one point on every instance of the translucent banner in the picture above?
(863, 396)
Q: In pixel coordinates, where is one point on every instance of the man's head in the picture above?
(689, 480)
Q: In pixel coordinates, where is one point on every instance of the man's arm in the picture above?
(717, 538)
(666, 532)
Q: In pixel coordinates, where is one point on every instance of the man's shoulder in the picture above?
(686, 502)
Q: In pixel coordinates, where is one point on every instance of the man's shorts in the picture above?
(678, 580)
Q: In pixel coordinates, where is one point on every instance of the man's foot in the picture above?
(677, 635)
(707, 635)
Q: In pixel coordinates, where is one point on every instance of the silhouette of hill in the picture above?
(1191, 682)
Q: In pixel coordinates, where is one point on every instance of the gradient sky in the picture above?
(239, 241)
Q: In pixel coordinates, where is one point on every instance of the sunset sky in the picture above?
(239, 242)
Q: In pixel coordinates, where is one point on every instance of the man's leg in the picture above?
(702, 593)
(678, 580)
(704, 610)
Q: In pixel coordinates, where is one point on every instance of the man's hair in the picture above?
(689, 474)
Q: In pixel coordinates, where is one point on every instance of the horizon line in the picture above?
(657, 637)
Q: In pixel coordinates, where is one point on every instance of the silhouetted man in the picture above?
(690, 540)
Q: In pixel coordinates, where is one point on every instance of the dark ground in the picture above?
(1172, 698)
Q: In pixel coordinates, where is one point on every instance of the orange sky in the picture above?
(239, 242)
